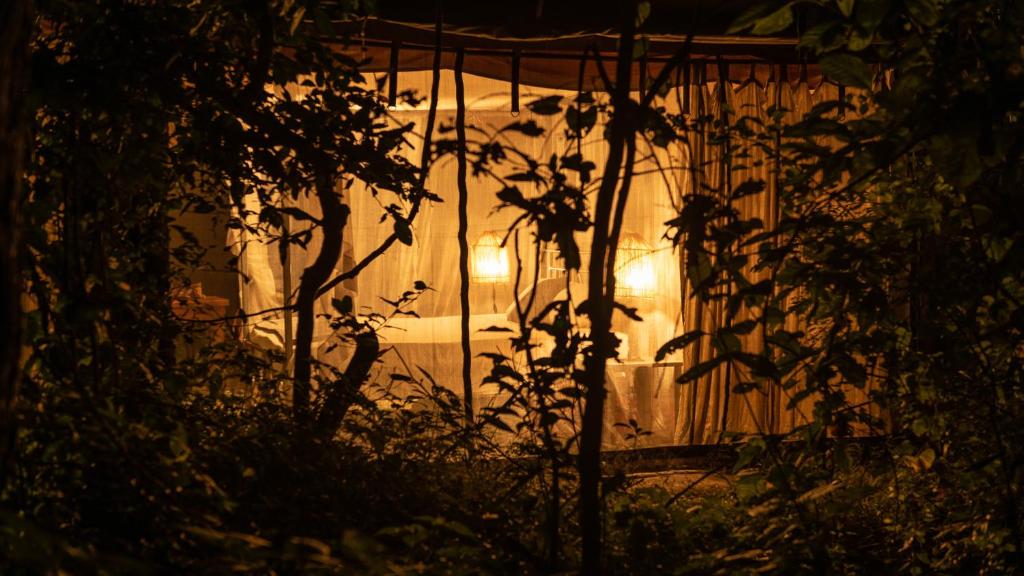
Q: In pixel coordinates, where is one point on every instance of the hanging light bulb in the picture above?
(634, 268)
(490, 260)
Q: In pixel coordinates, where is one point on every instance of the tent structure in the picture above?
(481, 272)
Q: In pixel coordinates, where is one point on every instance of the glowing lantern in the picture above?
(634, 268)
(490, 260)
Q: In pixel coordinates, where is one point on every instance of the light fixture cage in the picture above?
(634, 268)
(489, 260)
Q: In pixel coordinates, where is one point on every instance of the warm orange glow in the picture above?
(490, 260)
(634, 268)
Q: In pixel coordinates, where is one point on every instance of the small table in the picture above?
(190, 304)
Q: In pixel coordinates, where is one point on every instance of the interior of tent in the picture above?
(507, 265)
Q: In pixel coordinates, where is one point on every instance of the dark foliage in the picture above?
(900, 248)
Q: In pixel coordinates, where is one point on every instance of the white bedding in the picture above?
(444, 329)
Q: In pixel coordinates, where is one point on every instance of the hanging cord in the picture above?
(515, 82)
(579, 104)
(362, 35)
(642, 76)
(750, 79)
(842, 101)
(393, 75)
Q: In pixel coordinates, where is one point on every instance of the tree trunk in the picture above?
(599, 300)
(332, 223)
(339, 395)
(15, 26)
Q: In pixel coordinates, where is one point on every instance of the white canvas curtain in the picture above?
(639, 389)
(264, 275)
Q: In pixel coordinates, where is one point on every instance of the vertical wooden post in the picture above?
(725, 181)
(776, 404)
(701, 398)
(460, 132)
(286, 285)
